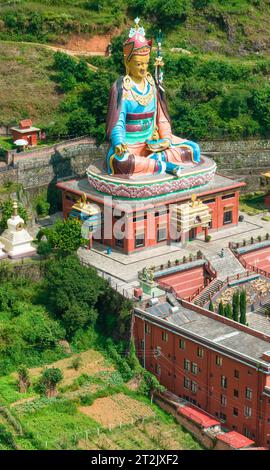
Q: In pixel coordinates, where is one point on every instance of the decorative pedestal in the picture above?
(147, 186)
(15, 239)
(148, 287)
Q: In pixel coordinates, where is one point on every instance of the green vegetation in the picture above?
(49, 408)
(213, 93)
(64, 238)
(48, 381)
(236, 306)
(27, 88)
(211, 98)
(252, 203)
(243, 307)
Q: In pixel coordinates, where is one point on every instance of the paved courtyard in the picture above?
(123, 269)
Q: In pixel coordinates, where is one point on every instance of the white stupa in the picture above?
(16, 239)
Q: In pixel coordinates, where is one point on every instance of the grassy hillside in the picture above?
(94, 410)
(27, 88)
(219, 90)
(226, 26)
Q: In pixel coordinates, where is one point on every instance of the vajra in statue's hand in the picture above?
(120, 149)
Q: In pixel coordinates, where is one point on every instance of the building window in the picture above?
(236, 374)
(223, 417)
(139, 216)
(223, 381)
(165, 336)
(223, 400)
(228, 196)
(247, 411)
(248, 393)
(157, 369)
(235, 411)
(209, 201)
(139, 240)
(147, 329)
(142, 344)
(161, 234)
(119, 241)
(162, 211)
(236, 393)
(227, 217)
(200, 352)
(182, 344)
(186, 364)
(218, 361)
(194, 368)
(186, 383)
(247, 433)
(194, 387)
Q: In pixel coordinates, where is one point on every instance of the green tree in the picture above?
(81, 123)
(211, 306)
(133, 361)
(221, 309)
(167, 13)
(236, 306)
(24, 379)
(64, 237)
(44, 248)
(6, 437)
(228, 311)
(73, 291)
(49, 380)
(243, 307)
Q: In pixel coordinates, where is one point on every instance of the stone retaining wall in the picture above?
(241, 160)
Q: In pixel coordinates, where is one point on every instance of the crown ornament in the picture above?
(136, 44)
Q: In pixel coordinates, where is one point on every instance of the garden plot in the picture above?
(92, 362)
(116, 410)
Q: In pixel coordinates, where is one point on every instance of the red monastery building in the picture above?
(148, 221)
(216, 364)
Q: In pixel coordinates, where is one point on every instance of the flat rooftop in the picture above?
(218, 184)
(219, 335)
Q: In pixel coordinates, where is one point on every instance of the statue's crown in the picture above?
(137, 42)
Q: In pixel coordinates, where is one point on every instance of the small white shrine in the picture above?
(16, 240)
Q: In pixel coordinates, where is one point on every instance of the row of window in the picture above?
(191, 366)
(161, 234)
(190, 385)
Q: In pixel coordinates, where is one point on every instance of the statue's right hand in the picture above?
(120, 149)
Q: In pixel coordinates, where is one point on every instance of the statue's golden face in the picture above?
(138, 66)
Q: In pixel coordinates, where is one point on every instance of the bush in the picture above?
(48, 381)
(76, 362)
(42, 206)
(6, 437)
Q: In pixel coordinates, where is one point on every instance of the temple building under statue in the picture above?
(152, 187)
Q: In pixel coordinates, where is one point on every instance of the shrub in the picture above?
(6, 437)
(48, 381)
(76, 362)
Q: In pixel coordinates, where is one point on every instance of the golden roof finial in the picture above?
(15, 208)
(193, 199)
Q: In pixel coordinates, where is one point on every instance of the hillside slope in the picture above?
(26, 85)
(227, 26)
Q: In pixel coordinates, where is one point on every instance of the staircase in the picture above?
(208, 292)
(227, 265)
